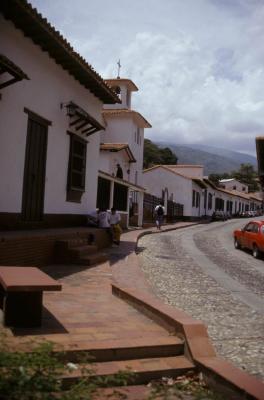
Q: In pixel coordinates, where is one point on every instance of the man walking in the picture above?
(159, 214)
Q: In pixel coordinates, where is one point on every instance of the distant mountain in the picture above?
(214, 160)
(233, 155)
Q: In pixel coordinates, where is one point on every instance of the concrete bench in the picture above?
(21, 293)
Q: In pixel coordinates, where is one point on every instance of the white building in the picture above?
(233, 184)
(185, 184)
(121, 157)
(50, 107)
(166, 181)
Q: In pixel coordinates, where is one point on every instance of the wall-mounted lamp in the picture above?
(70, 107)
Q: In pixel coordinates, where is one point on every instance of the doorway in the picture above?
(35, 169)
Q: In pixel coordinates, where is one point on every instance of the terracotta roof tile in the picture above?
(118, 147)
(140, 120)
(184, 166)
(113, 146)
(35, 26)
(117, 81)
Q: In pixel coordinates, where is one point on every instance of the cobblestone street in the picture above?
(198, 270)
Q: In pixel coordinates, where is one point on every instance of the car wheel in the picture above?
(255, 251)
(237, 244)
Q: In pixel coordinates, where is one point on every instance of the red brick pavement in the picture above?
(86, 312)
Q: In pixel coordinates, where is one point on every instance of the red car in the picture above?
(251, 237)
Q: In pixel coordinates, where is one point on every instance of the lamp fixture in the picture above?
(80, 120)
(70, 107)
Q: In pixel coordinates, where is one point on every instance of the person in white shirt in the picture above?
(115, 226)
(159, 214)
(103, 217)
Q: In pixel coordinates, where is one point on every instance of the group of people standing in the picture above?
(111, 223)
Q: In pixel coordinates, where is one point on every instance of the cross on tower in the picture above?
(119, 67)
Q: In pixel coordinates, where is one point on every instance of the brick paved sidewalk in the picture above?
(85, 312)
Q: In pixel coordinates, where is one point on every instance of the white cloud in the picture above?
(199, 64)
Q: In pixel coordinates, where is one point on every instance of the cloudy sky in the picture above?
(199, 64)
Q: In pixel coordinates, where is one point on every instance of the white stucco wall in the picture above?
(109, 160)
(125, 97)
(234, 198)
(197, 211)
(159, 179)
(122, 130)
(48, 87)
(234, 183)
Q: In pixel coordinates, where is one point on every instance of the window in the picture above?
(219, 204)
(138, 136)
(249, 227)
(117, 90)
(210, 201)
(119, 171)
(103, 193)
(120, 197)
(76, 169)
(197, 200)
(193, 198)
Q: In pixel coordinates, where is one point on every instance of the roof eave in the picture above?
(32, 24)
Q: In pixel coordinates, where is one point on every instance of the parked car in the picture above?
(219, 216)
(250, 237)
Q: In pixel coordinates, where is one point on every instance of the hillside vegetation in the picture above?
(214, 160)
(154, 155)
(216, 166)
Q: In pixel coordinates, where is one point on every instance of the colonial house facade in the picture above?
(189, 189)
(51, 118)
(185, 184)
(121, 155)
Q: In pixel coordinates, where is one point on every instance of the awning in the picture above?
(81, 121)
(15, 73)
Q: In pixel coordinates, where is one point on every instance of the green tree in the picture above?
(168, 157)
(246, 174)
(215, 178)
(154, 155)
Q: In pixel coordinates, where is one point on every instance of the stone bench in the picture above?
(21, 293)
